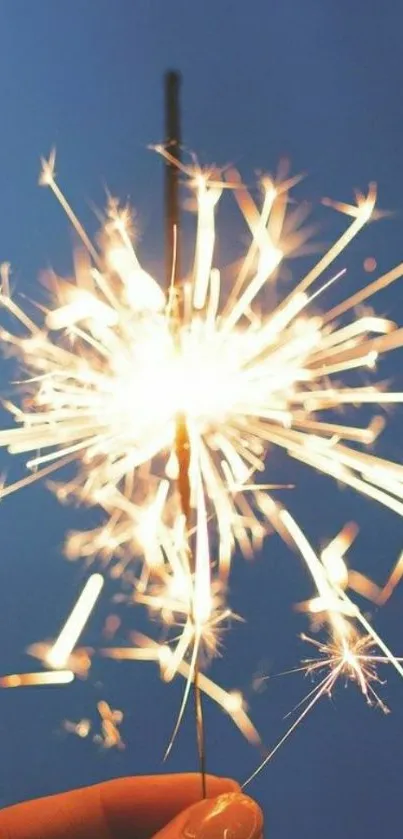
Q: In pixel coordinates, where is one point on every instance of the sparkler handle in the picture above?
(182, 442)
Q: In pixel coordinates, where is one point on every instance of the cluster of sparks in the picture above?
(109, 735)
(120, 370)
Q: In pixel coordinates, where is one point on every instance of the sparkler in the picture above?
(166, 403)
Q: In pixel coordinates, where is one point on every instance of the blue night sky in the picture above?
(319, 81)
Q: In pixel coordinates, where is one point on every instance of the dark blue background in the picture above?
(321, 81)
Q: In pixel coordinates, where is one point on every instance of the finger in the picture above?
(230, 816)
(128, 808)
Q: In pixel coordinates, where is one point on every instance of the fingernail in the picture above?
(230, 816)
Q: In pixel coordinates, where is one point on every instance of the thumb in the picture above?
(229, 816)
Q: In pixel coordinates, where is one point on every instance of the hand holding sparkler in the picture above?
(138, 807)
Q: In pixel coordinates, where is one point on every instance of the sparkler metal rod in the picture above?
(182, 442)
(173, 139)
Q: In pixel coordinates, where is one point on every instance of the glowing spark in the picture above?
(348, 655)
(391, 584)
(59, 654)
(79, 660)
(81, 728)
(332, 555)
(110, 720)
(17, 680)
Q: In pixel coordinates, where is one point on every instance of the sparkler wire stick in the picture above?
(182, 442)
(172, 132)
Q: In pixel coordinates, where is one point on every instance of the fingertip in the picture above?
(231, 815)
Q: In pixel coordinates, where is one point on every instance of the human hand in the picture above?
(163, 807)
